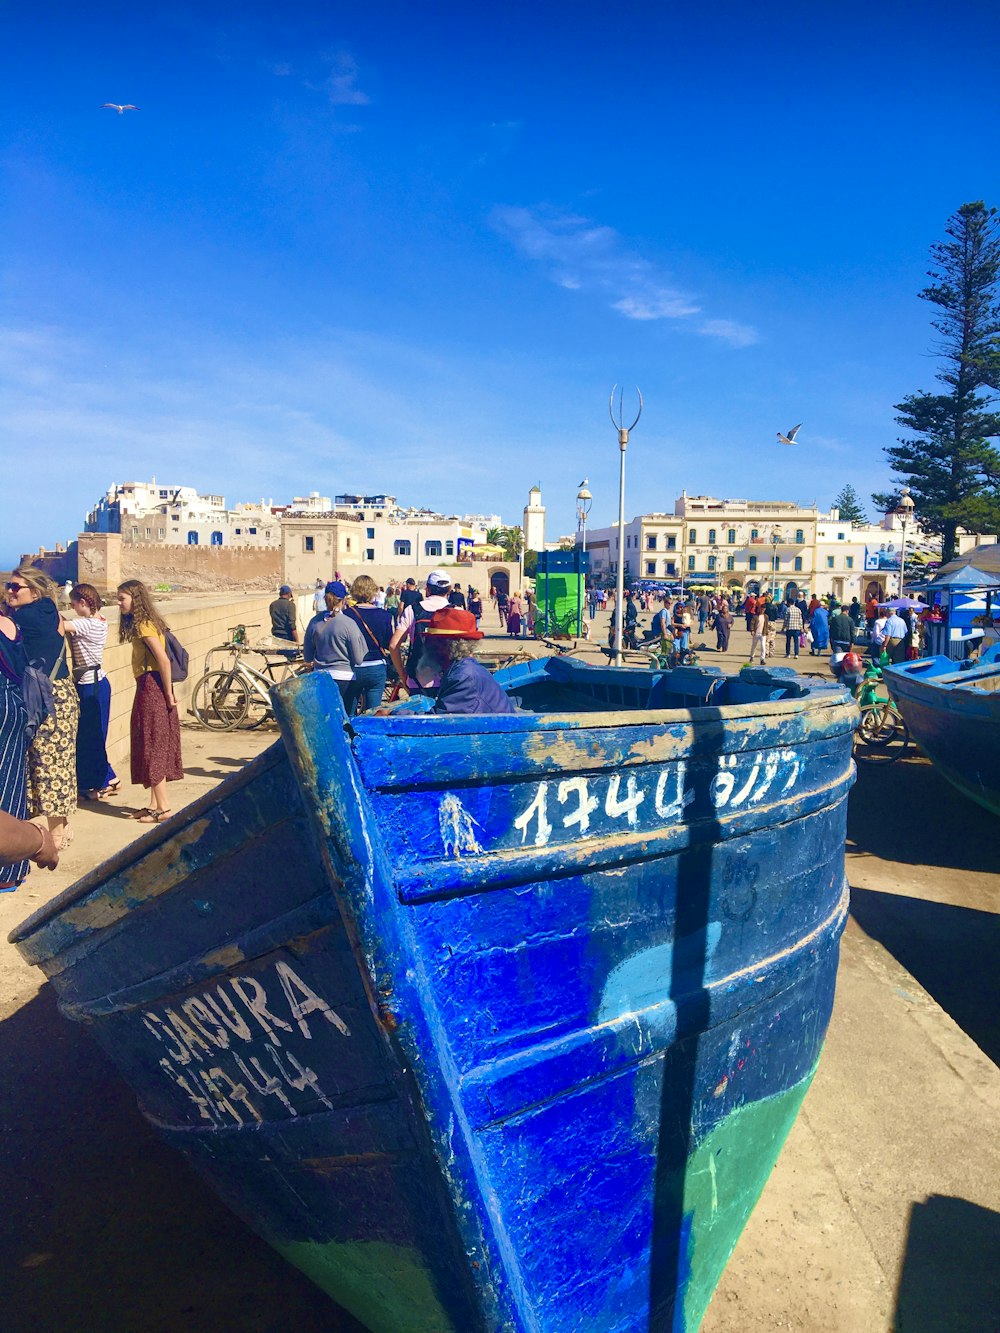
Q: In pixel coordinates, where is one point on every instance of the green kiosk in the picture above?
(561, 592)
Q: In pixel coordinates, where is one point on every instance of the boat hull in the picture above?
(954, 716)
(486, 1023)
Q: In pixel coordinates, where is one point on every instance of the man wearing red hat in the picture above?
(466, 686)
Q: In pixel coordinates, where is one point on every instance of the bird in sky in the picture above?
(115, 106)
(790, 437)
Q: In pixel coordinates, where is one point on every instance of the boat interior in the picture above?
(949, 675)
(559, 685)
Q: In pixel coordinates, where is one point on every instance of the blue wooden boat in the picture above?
(953, 714)
(488, 1023)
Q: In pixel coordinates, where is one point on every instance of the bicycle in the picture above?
(882, 736)
(240, 695)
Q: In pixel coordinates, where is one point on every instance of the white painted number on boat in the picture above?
(224, 1048)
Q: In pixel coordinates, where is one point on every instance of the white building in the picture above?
(534, 521)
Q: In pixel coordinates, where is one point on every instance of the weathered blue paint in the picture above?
(491, 1023)
(954, 716)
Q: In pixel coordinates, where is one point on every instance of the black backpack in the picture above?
(177, 655)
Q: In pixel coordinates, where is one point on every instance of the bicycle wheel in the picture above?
(882, 736)
(220, 700)
(258, 711)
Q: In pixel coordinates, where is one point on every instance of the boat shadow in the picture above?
(906, 812)
(949, 1282)
(951, 951)
(106, 1229)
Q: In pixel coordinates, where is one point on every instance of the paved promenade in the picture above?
(882, 1214)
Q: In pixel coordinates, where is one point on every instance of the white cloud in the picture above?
(342, 82)
(581, 255)
(737, 335)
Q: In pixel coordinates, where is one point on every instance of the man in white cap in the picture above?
(422, 671)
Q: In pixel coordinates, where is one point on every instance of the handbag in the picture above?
(36, 690)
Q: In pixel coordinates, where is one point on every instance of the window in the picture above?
(829, 562)
(239, 532)
(840, 536)
(176, 517)
(161, 532)
(671, 568)
(370, 553)
(731, 536)
(449, 548)
(693, 535)
(628, 541)
(849, 562)
(149, 532)
(798, 564)
(370, 534)
(800, 536)
(711, 536)
(671, 543)
(711, 564)
(651, 543)
(347, 544)
(690, 562)
(401, 547)
(135, 532)
(252, 531)
(730, 562)
(163, 495)
(432, 548)
(307, 545)
(752, 564)
(216, 539)
(192, 539)
(650, 566)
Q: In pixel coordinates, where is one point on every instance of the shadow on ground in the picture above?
(950, 1282)
(103, 1229)
(907, 812)
(953, 952)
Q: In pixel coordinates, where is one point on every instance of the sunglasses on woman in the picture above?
(15, 587)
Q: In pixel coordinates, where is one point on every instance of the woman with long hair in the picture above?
(375, 622)
(155, 727)
(13, 746)
(31, 596)
(87, 635)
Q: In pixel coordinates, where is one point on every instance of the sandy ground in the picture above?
(882, 1213)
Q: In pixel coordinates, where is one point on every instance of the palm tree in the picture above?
(494, 536)
(512, 542)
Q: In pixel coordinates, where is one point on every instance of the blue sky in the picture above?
(410, 248)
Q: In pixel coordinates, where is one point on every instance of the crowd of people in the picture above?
(55, 706)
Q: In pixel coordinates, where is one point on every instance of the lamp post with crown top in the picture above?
(584, 500)
(905, 508)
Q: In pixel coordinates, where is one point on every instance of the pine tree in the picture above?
(952, 470)
(849, 504)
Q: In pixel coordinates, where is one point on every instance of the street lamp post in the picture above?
(619, 424)
(716, 573)
(584, 500)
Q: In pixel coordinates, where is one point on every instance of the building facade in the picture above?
(756, 546)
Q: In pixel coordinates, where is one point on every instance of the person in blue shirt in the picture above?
(466, 686)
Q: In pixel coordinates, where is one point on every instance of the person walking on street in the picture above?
(760, 640)
(155, 729)
(791, 622)
(819, 623)
(841, 632)
(87, 635)
(723, 624)
(420, 672)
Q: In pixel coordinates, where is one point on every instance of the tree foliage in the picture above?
(947, 460)
(849, 504)
(512, 542)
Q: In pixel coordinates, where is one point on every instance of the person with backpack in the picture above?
(32, 598)
(155, 756)
(376, 624)
(13, 752)
(421, 672)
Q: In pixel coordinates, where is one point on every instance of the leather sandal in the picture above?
(154, 816)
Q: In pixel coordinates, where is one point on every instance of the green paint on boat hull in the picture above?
(384, 1286)
(987, 799)
(724, 1179)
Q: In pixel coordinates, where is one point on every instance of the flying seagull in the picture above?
(790, 437)
(114, 106)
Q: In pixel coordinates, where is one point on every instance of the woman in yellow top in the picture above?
(155, 727)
